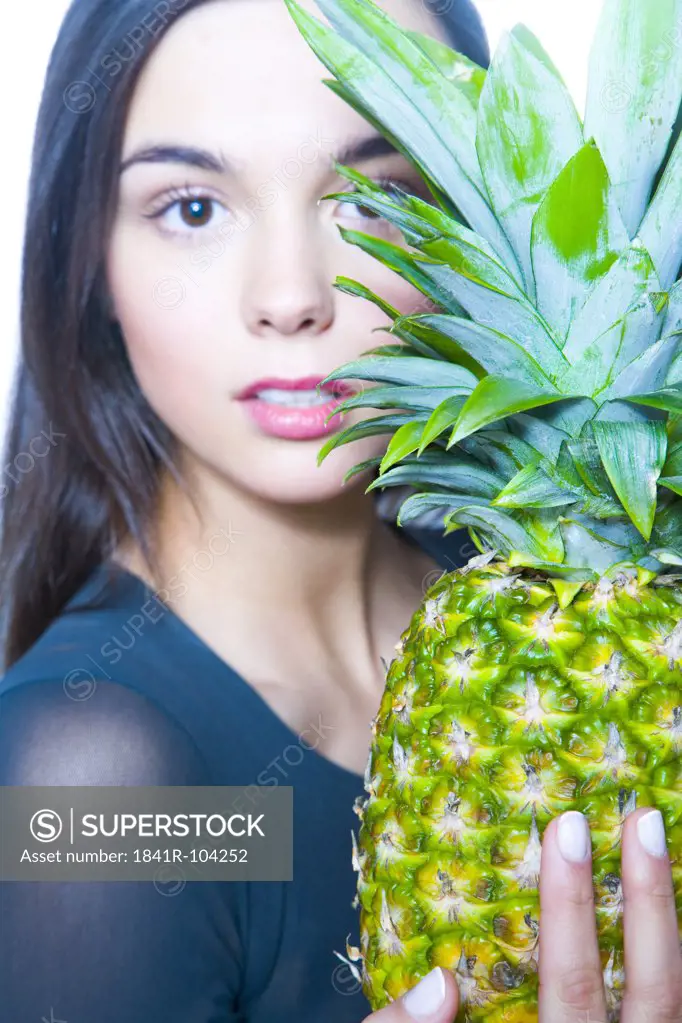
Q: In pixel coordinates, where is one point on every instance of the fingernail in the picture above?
(573, 837)
(651, 833)
(427, 997)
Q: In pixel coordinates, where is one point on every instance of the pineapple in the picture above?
(538, 404)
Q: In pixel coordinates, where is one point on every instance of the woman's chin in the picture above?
(300, 481)
(307, 488)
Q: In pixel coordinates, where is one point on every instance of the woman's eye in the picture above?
(191, 213)
(351, 209)
(358, 211)
(196, 212)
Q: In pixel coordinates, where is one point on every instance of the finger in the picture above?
(653, 964)
(434, 1000)
(571, 980)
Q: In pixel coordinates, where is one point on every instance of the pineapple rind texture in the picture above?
(501, 711)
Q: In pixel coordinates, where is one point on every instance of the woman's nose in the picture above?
(288, 288)
(288, 315)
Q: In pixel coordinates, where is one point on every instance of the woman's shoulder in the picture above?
(104, 634)
(99, 695)
(116, 669)
(98, 732)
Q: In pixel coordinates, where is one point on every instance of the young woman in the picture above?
(189, 598)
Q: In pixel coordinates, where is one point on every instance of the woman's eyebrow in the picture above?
(355, 151)
(192, 156)
(366, 148)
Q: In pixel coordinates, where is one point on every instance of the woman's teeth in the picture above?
(294, 398)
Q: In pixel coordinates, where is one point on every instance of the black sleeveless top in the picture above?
(113, 694)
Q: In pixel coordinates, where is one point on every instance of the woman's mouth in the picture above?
(295, 411)
(293, 399)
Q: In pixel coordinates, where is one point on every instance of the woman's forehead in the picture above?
(237, 75)
(249, 53)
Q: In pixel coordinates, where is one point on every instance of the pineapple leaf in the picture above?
(528, 129)
(406, 349)
(667, 556)
(668, 398)
(585, 457)
(435, 345)
(357, 470)
(591, 549)
(542, 525)
(416, 229)
(419, 504)
(661, 229)
(668, 530)
(403, 442)
(591, 372)
(493, 399)
(675, 433)
(397, 258)
(532, 487)
(673, 483)
(629, 79)
(576, 236)
(615, 349)
(501, 450)
(550, 352)
(631, 276)
(496, 352)
(539, 434)
(366, 428)
(479, 283)
(673, 325)
(417, 399)
(466, 75)
(673, 317)
(569, 416)
(646, 373)
(355, 100)
(441, 419)
(621, 532)
(374, 58)
(405, 369)
(347, 286)
(570, 574)
(463, 475)
(633, 455)
(486, 301)
(673, 462)
(499, 529)
(392, 351)
(470, 255)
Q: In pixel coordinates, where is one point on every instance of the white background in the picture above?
(565, 30)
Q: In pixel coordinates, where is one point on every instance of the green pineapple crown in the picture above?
(541, 405)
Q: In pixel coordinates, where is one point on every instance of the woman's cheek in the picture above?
(176, 364)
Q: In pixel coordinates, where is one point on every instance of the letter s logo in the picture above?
(46, 825)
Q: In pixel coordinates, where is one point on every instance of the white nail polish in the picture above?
(651, 833)
(573, 837)
(427, 997)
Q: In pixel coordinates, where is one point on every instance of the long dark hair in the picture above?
(84, 452)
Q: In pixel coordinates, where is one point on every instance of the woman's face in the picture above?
(221, 260)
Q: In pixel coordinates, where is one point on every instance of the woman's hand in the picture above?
(571, 985)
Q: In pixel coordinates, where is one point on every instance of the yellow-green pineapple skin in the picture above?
(501, 711)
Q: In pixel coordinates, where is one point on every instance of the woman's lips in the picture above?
(294, 423)
(301, 422)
